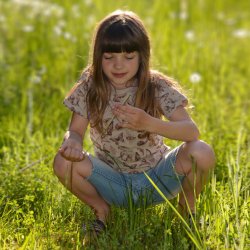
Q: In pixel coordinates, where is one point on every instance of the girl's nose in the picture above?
(118, 63)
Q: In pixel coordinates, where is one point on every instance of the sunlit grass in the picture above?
(43, 47)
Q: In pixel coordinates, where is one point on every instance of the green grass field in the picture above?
(203, 44)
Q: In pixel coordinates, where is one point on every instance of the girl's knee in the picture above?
(62, 166)
(83, 168)
(59, 165)
(203, 154)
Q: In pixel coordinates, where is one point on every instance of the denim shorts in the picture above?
(124, 189)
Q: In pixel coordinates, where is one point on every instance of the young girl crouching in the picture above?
(124, 101)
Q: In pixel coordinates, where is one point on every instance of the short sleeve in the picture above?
(169, 98)
(76, 100)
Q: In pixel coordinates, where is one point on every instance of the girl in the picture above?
(124, 101)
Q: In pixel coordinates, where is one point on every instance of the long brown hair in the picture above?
(121, 31)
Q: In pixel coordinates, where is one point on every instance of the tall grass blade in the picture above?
(192, 236)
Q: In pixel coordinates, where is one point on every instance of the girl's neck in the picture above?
(131, 83)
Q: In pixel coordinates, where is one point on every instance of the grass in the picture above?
(43, 47)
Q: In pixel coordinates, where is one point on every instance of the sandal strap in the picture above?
(98, 226)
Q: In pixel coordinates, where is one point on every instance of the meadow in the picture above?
(44, 45)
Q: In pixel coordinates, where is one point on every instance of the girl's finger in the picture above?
(73, 154)
(67, 152)
(120, 115)
(126, 108)
(62, 148)
(123, 117)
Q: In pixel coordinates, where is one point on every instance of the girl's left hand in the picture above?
(131, 117)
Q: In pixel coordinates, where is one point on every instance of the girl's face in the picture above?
(119, 68)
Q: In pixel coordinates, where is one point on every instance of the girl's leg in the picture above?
(78, 185)
(194, 159)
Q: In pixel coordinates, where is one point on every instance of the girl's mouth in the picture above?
(119, 75)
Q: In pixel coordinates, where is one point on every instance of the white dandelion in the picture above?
(76, 10)
(88, 2)
(37, 7)
(35, 79)
(149, 21)
(190, 36)
(91, 20)
(220, 16)
(28, 28)
(241, 33)
(183, 15)
(42, 70)
(61, 23)
(57, 30)
(195, 77)
(2, 19)
(52, 10)
(69, 36)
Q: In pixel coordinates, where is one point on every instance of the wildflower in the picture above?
(189, 34)
(195, 77)
(220, 16)
(2, 19)
(69, 36)
(91, 20)
(76, 10)
(52, 10)
(149, 21)
(241, 33)
(61, 23)
(28, 28)
(88, 2)
(37, 7)
(35, 79)
(43, 70)
(183, 15)
(57, 30)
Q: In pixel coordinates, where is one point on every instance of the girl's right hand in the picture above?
(71, 150)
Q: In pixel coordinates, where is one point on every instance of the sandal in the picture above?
(92, 231)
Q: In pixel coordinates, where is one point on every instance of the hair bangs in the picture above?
(119, 38)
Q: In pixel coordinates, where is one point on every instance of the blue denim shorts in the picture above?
(124, 189)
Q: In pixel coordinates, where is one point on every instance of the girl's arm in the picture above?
(71, 148)
(179, 127)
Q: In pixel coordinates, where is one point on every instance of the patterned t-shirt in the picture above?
(124, 149)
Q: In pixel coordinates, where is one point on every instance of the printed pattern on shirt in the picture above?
(124, 149)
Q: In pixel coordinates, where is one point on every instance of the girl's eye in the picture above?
(107, 57)
(130, 56)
